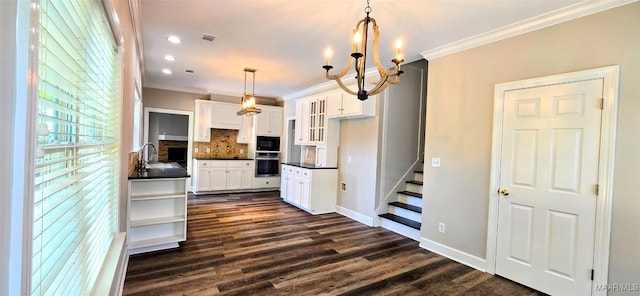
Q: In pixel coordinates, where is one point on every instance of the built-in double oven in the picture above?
(267, 156)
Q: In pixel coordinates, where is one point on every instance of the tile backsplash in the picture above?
(223, 145)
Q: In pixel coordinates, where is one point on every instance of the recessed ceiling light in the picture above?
(174, 39)
(166, 71)
(169, 58)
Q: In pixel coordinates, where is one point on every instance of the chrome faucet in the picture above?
(142, 163)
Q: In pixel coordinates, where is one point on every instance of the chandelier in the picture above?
(359, 56)
(248, 101)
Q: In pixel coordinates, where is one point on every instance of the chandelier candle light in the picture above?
(359, 55)
(248, 101)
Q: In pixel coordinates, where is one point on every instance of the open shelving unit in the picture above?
(157, 214)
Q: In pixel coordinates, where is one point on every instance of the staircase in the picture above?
(404, 216)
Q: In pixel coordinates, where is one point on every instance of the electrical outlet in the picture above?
(208, 149)
(435, 162)
(196, 150)
(343, 186)
(241, 150)
(441, 227)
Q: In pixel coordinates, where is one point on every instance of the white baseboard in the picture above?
(454, 254)
(355, 215)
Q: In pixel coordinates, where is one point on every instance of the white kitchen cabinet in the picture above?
(302, 122)
(202, 131)
(314, 190)
(218, 178)
(342, 105)
(269, 121)
(311, 121)
(220, 175)
(266, 182)
(284, 181)
(224, 115)
(156, 214)
(247, 175)
(245, 134)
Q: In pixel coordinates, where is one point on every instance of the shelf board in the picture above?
(155, 221)
(156, 241)
(157, 196)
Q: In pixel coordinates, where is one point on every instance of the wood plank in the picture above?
(255, 244)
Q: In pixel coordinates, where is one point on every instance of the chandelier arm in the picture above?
(379, 86)
(376, 56)
(344, 87)
(344, 70)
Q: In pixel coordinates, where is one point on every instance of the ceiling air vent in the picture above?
(207, 37)
(189, 71)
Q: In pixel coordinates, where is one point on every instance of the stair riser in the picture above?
(405, 213)
(414, 188)
(417, 177)
(412, 200)
(401, 229)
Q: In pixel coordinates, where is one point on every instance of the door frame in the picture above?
(148, 110)
(610, 76)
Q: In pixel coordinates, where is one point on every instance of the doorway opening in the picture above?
(170, 131)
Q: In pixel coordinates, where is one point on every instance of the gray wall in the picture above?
(403, 136)
(359, 140)
(459, 126)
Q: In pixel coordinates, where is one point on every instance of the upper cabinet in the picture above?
(269, 121)
(223, 115)
(245, 134)
(343, 105)
(202, 131)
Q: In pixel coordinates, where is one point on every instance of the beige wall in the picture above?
(130, 77)
(177, 100)
(459, 125)
(359, 140)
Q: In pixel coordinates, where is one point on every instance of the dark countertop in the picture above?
(175, 171)
(220, 158)
(308, 166)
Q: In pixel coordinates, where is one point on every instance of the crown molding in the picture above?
(561, 15)
(329, 85)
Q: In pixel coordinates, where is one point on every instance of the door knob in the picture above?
(504, 192)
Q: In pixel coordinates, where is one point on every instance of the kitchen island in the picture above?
(157, 208)
(310, 187)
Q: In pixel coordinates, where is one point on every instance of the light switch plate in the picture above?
(196, 150)
(208, 150)
(435, 162)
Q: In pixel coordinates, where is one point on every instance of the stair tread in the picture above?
(406, 206)
(415, 194)
(415, 182)
(401, 220)
(419, 171)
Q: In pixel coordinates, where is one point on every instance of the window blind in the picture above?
(76, 167)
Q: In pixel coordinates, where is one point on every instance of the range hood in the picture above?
(172, 138)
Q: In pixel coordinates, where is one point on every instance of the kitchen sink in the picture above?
(162, 165)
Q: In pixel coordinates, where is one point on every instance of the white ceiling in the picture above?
(285, 39)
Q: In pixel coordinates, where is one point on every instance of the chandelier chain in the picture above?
(367, 9)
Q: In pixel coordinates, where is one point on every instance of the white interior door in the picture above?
(549, 173)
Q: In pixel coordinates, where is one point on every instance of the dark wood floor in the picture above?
(255, 244)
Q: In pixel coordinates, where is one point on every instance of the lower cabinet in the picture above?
(266, 182)
(156, 214)
(212, 175)
(314, 190)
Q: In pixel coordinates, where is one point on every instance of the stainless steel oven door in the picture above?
(267, 167)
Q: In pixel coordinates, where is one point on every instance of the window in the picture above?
(75, 203)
